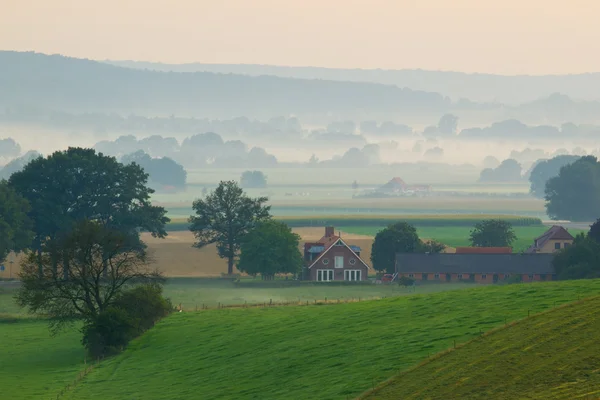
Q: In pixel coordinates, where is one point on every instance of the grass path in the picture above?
(315, 352)
(551, 356)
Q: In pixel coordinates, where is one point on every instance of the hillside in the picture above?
(554, 355)
(314, 352)
(34, 81)
(477, 87)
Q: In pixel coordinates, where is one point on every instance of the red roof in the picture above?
(483, 250)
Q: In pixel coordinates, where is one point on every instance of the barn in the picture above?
(332, 259)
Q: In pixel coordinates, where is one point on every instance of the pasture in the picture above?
(553, 355)
(325, 352)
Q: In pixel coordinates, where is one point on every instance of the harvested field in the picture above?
(176, 257)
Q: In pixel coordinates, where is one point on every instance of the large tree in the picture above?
(493, 233)
(271, 248)
(80, 184)
(400, 237)
(225, 217)
(544, 170)
(100, 262)
(575, 193)
(161, 171)
(15, 225)
(580, 260)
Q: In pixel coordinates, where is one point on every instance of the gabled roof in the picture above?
(557, 232)
(330, 244)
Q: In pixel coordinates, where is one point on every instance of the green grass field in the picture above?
(34, 365)
(311, 352)
(455, 236)
(554, 355)
(192, 292)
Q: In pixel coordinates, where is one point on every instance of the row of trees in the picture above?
(78, 215)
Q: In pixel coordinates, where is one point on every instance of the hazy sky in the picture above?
(498, 36)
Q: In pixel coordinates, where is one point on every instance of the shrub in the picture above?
(145, 306)
(132, 313)
(108, 333)
(406, 281)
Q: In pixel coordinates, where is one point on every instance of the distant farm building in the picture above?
(397, 186)
(552, 240)
(478, 267)
(331, 259)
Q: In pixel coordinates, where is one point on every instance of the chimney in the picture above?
(329, 231)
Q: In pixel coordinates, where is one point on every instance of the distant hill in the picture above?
(477, 87)
(554, 355)
(42, 81)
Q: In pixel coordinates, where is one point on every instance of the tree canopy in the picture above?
(493, 233)
(15, 226)
(79, 184)
(161, 171)
(574, 194)
(253, 179)
(546, 169)
(508, 171)
(225, 217)
(271, 248)
(400, 237)
(99, 264)
(580, 260)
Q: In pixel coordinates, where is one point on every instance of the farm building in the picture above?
(552, 240)
(397, 185)
(478, 267)
(331, 259)
(483, 250)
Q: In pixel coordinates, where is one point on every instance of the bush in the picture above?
(405, 281)
(111, 330)
(133, 312)
(145, 306)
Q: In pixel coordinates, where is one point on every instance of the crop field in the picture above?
(325, 352)
(554, 355)
(304, 206)
(459, 236)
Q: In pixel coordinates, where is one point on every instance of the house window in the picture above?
(436, 276)
(506, 276)
(530, 276)
(339, 243)
(352, 275)
(325, 261)
(324, 275)
(566, 245)
(411, 275)
(557, 246)
(339, 261)
(459, 276)
(483, 276)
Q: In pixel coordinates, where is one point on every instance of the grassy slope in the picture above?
(553, 355)
(316, 352)
(459, 236)
(34, 365)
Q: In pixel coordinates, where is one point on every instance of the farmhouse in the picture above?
(477, 267)
(552, 240)
(397, 185)
(331, 259)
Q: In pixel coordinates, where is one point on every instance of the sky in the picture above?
(489, 36)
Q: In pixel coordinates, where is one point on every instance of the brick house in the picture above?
(552, 240)
(331, 259)
(477, 267)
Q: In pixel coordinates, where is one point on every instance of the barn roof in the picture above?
(483, 250)
(448, 263)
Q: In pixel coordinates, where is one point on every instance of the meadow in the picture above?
(553, 355)
(326, 352)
